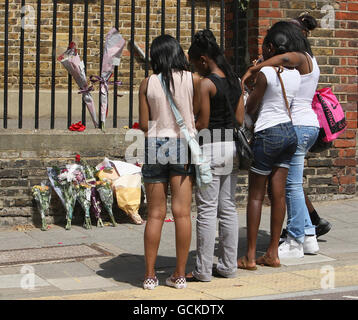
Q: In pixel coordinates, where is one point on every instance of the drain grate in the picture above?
(54, 253)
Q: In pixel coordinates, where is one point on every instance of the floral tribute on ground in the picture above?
(94, 188)
(42, 196)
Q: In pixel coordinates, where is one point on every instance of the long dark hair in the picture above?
(204, 43)
(287, 37)
(167, 55)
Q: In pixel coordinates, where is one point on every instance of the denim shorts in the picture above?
(273, 147)
(166, 157)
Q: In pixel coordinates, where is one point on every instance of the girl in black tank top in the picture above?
(218, 200)
(209, 61)
(220, 116)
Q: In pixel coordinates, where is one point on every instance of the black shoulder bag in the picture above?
(242, 143)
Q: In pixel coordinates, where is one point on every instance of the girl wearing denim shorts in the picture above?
(274, 144)
(300, 235)
(166, 157)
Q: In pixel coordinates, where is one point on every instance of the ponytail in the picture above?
(307, 22)
(204, 43)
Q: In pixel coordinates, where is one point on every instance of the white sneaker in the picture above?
(310, 245)
(290, 248)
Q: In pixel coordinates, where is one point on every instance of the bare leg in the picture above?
(257, 186)
(181, 191)
(157, 207)
(278, 210)
(309, 204)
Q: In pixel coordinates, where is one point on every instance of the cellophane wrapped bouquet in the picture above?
(84, 198)
(106, 194)
(42, 196)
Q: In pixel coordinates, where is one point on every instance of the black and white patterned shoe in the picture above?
(150, 283)
(178, 283)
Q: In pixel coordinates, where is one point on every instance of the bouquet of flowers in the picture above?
(96, 206)
(112, 52)
(42, 196)
(63, 183)
(87, 171)
(75, 67)
(84, 198)
(106, 194)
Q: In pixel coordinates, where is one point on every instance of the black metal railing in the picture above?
(132, 48)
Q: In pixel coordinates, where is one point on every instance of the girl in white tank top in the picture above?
(301, 233)
(273, 146)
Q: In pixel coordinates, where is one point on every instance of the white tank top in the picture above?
(163, 123)
(301, 109)
(273, 108)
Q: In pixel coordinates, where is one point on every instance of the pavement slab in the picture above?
(108, 263)
(52, 253)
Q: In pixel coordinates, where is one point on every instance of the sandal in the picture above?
(190, 278)
(268, 262)
(150, 283)
(178, 283)
(242, 263)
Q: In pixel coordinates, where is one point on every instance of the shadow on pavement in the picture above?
(130, 268)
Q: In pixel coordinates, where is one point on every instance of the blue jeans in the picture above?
(298, 220)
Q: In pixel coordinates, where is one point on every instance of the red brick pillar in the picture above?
(333, 173)
(346, 52)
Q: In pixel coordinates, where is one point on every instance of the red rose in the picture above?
(78, 158)
(135, 125)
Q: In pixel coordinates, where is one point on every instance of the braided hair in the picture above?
(204, 43)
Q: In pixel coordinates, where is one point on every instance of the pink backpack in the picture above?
(330, 114)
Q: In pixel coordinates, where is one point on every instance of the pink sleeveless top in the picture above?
(162, 121)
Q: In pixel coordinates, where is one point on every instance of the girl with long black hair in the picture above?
(165, 160)
(219, 91)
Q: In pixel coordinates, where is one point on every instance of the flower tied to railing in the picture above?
(104, 82)
(86, 90)
(76, 68)
(111, 57)
(104, 87)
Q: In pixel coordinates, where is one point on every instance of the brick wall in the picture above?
(25, 156)
(328, 175)
(335, 45)
(93, 51)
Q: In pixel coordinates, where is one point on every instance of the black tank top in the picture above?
(220, 116)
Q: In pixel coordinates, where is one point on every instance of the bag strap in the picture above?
(309, 66)
(178, 117)
(279, 71)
